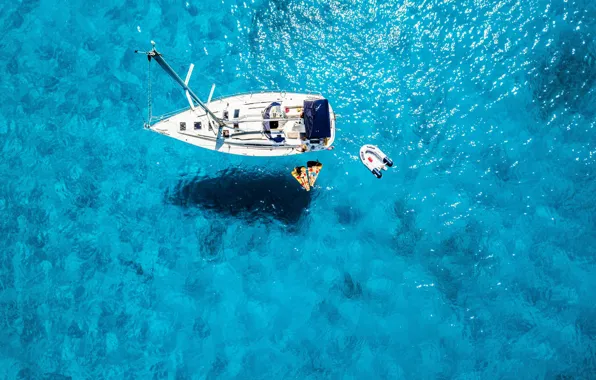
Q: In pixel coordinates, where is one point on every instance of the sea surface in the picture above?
(128, 255)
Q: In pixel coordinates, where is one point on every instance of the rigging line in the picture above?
(149, 106)
(140, 111)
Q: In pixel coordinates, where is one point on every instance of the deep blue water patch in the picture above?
(124, 254)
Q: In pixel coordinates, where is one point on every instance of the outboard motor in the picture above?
(387, 161)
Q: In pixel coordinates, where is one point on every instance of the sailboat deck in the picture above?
(244, 133)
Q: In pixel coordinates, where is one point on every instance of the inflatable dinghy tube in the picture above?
(374, 159)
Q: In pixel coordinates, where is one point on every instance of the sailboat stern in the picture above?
(317, 122)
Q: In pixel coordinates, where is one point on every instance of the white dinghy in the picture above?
(374, 159)
(256, 124)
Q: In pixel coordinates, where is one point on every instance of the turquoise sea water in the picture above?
(127, 255)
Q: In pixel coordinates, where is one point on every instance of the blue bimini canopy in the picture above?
(316, 119)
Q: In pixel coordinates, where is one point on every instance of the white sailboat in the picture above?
(253, 124)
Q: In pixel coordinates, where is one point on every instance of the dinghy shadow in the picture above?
(251, 195)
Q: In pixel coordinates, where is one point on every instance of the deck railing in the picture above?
(155, 119)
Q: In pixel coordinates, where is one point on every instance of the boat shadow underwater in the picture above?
(250, 195)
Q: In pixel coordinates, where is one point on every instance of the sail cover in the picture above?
(316, 119)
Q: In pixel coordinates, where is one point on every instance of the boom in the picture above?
(154, 54)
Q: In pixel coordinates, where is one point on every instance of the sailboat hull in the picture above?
(244, 133)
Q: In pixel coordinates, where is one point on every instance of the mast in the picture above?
(154, 54)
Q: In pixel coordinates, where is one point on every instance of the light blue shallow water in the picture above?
(124, 254)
